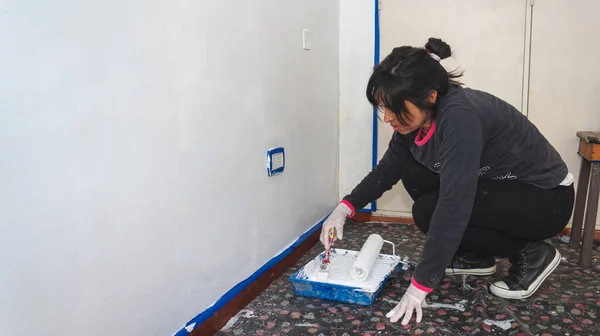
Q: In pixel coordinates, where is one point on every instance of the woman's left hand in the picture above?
(413, 299)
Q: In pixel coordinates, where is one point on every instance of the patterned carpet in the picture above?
(568, 303)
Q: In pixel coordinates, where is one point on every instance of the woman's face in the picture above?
(413, 120)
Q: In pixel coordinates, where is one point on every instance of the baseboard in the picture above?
(242, 294)
(362, 217)
(567, 232)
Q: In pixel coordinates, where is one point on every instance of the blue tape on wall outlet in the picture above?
(275, 161)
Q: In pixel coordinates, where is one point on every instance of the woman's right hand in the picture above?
(336, 220)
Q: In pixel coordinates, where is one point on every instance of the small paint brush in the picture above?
(324, 268)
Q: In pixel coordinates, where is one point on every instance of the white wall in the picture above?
(356, 114)
(564, 91)
(132, 154)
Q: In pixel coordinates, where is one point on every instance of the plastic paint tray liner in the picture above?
(339, 285)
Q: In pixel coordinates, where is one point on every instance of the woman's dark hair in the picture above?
(411, 74)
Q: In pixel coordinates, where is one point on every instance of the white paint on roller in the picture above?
(341, 262)
(363, 264)
(506, 324)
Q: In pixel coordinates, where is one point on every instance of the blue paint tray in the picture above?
(339, 286)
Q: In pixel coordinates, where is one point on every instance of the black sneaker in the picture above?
(530, 268)
(471, 264)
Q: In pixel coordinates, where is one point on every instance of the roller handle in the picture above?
(331, 236)
(393, 247)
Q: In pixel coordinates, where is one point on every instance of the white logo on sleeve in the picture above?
(483, 170)
(507, 176)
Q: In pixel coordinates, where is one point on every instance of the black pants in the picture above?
(506, 214)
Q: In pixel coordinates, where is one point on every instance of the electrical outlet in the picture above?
(275, 161)
(306, 39)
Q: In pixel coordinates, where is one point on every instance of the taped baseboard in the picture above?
(215, 317)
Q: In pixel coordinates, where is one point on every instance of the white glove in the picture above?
(336, 220)
(413, 299)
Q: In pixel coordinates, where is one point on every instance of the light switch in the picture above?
(306, 39)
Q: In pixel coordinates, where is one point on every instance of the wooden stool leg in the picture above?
(590, 216)
(582, 188)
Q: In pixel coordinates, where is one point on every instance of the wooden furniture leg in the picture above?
(590, 216)
(580, 200)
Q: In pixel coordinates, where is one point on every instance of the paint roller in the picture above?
(366, 258)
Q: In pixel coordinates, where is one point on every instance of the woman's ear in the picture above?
(432, 97)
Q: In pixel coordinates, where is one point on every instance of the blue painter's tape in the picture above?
(377, 43)
(375, 119)
(196, 321)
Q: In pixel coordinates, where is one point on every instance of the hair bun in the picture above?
(438, 47)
